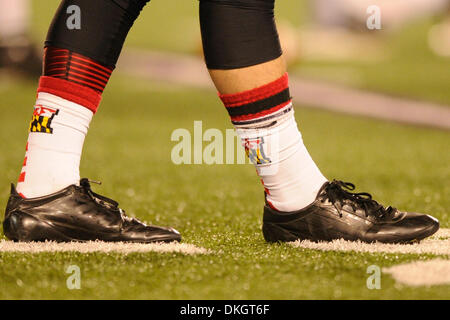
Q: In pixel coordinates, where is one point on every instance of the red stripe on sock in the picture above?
(22, 177)
(71, 91)
(93, 75)
(57, 56)
(99, 72)
(85, 70)
(55, 49)
(253, 95)
(55, 63)
(54, 69)
(58, 75)
(84, 74)
(73, 80)
(60, 50)
(76, 78)
(90, 61)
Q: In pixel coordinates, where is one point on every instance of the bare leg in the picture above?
(243, 79)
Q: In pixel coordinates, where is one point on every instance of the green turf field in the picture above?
(219, 206)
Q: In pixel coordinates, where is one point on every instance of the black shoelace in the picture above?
(101, 200)
(339, 193)
(107, 202)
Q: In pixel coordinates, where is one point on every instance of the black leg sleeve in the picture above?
(238, 33)
(104, 25)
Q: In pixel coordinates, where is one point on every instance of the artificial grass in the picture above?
(219, 207)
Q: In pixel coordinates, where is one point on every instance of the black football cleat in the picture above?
(338, 213)
(76, 213)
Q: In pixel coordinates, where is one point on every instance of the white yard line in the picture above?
(191, 71)
(421, 273)
(100, 246)
(437, 244)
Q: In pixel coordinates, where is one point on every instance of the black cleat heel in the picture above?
(26, 228)
(274, 233)
(20, 226)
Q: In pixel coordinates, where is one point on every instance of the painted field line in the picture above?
(100, 246)
(439, 243)
(421, 273)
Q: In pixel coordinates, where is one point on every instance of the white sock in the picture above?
(54, 146)
(290, 176)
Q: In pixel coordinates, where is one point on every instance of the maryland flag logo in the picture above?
(255, 152)
(42, 119)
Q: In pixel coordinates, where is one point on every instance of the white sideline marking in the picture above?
(100, 246)
(421, 273)
(439, 243)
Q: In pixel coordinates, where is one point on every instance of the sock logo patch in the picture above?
(42, 119)
(255, 152)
